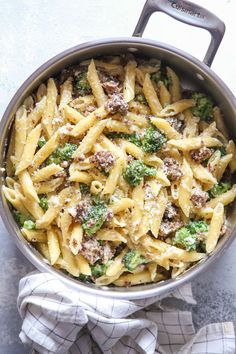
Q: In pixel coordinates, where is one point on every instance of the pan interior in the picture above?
(193, 74)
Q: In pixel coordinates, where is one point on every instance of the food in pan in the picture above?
(117, 174)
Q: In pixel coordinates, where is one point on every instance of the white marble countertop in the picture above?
(32, 31)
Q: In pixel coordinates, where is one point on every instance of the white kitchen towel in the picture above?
(59, 320)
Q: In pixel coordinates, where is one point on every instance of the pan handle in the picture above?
(187, 12)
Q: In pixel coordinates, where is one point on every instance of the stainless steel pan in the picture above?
(195, 74)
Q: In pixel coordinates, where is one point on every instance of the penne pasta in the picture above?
(65, 94)
(50, 107)
(46, 172)
(174, 85)
(27, 186)
(163, 125)
(95, 84)
(215, 227)
(175, 108)
(76, 238)
(29, 149)
(185, 188)
(71, 114)
(113, 178)
(231, 149)
(54, 208)
(129, 82)
(43, 153)
(20, 132)
(194, 143)
(151, 96)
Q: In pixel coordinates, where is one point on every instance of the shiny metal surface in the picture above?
(189, 68)
(189, 13)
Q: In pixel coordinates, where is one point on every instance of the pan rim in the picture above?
(162, 287)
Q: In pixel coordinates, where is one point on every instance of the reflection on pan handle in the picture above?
(189, 13)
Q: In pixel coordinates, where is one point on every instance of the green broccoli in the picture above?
(42, 141)
(85, 278)
(23, 221)
(62, 153)
(140, 98)
(219, 189)
(153, 140)
(82, 84)
(43, 202)
(161, 75)
(19, 217)
(198, 226)
(136, 171)
(133, 259)
(29, 225)
(133, 138)
(95, 218)
(187, 237)
(101, 242)
(84, 188)
(203, 106)
(99, 269)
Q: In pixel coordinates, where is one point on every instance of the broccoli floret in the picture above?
(161, 75)
(19, 217)
(99, 269)
(184, 239)
(140, 98)
(85, 278)
(95, 218)
(42, 141)
(219, 189)
(62, 153)
(198, 226)
(133, 259)
(43, 202)
(187, 237)
(84, 188)
(203, 106)
(133, 138)
(101, 242)
(82, 85)
(136, 171)
(29, 225)
(24, 221)
(153, 140)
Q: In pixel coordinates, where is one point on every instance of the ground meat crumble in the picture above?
(172, 168)
(103, 160)
(109, 83)
(171, 221)
(93, 251)
(201, 154)
(176, 123)
(82, 210)
(199, 197)
(168, 227)
(116, 104)
(171, 211)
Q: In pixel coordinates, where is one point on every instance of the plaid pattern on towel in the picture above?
(59, 320)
